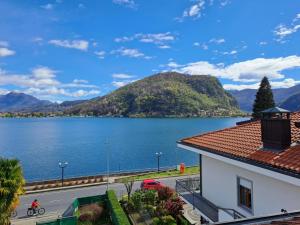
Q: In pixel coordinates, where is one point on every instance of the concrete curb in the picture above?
(90, 185)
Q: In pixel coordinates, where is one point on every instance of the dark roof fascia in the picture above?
(245, 160)
(261, 219)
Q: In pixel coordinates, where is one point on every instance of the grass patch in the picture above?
(170, 173)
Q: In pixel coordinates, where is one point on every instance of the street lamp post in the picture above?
(62, 165)
(158, 155)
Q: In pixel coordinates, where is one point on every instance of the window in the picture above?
(245, 193)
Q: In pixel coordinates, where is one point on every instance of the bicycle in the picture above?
(39, 211)
(13, 214)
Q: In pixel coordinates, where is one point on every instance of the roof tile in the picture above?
(244, 141)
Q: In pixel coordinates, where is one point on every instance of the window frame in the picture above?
(238, 184)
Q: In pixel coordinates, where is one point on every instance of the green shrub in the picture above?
(137, 200)
(165, 220)
(149, 197)
(117, 213)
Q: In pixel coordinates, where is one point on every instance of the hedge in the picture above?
(117, 213)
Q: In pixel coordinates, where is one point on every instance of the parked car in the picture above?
(151, 184)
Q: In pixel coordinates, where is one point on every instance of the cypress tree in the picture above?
(264, 98)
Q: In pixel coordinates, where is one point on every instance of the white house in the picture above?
(250, 170)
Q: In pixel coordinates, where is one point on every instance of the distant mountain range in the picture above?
(20, 102)
(283, 98)
(164, 94)
(292, 103)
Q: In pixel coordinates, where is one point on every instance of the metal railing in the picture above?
(192, 186)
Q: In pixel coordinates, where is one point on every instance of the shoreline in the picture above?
(56, 184)
(128, 117)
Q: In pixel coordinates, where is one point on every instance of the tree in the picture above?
(128, 182)
(165, 193)
(11, 187)
(264, 98)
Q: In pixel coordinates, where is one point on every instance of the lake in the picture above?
(40, 143)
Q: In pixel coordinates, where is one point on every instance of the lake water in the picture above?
(40, 143)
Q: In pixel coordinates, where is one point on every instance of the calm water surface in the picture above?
(40, 143)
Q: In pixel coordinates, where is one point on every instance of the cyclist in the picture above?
(35, 205)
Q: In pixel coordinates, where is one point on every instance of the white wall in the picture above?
(269, 195)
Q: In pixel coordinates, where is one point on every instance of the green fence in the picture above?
(117, 214)
(60, 221)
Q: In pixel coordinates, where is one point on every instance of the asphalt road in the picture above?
(58, 201)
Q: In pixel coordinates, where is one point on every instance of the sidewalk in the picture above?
(33, 220)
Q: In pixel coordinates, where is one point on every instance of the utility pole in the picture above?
(158, 155)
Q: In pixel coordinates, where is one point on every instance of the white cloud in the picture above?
(240, 87)
(43, 73)
(224, 3)
(217, 41)
(4, 91)
(173, 65)
(6, 52)
(194, 10)
(47, 6)
(100, 54)
(78, 81)
(42, 81)
(37, 39)
(126, 3)
(232, 52)
(246, 71)
(60, 91)
(164, 46)
(286, 83)
(159, 39)
(75, 44)
(263, 43)
(122, 76)
(130, 52)
(282, 31)
(119, 84)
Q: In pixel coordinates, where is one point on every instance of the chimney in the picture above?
(276, 129)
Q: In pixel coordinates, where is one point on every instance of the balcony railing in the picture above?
(189, 189)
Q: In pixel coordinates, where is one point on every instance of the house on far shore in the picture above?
(251, 170)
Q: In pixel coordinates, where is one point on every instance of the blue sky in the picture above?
(64, 50)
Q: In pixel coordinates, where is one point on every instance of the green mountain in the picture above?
(164, 94)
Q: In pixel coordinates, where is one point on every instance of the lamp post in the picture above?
(158, 155)
(62, 165)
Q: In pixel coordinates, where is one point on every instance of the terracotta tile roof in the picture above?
(244, 141)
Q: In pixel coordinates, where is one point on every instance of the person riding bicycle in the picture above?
(35, 205)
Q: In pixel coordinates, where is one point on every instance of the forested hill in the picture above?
(164, 94)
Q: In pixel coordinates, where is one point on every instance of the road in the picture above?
(58, 201)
